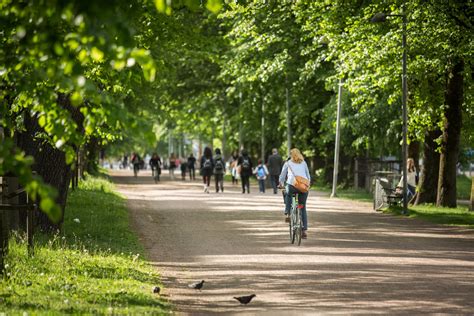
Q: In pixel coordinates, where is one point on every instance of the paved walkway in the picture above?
(354, 260)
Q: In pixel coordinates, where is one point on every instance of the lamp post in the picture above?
(338, 136)
(380, 18)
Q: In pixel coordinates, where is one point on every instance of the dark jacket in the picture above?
(155, 163)
(245, 172)
(191, 162)
(275, 162)
(206, 171)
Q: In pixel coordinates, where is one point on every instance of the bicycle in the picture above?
(296, 220)
(155, 173)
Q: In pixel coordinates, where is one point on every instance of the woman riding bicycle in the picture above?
(295, 166)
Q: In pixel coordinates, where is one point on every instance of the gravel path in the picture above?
(354, 261)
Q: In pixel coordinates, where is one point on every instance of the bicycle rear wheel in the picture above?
(292, 227)
(298, 226)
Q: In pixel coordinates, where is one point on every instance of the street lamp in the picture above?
(380, 18)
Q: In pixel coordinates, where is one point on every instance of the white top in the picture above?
(411, 179)
(299, 169)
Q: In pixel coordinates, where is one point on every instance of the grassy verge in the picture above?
(460, 216)
(463, 186)
(350, 193)
(95, 267)
(463, 189)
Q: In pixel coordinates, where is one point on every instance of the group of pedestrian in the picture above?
(173, 163)
(241, 168)
(212, 166)
(282, 174)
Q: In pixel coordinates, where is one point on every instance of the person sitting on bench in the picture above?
(412, 180)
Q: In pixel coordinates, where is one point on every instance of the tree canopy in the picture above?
(74, 73)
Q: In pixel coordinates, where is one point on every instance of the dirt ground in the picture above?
(354, 261)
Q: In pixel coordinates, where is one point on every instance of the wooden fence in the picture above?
(16, 214)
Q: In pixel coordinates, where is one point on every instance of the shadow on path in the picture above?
(354, 260)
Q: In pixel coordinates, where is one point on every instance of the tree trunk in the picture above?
(451, 136)
(471, 206)
(91, 155)
(49, 162)
(414, 152)
(427, 188)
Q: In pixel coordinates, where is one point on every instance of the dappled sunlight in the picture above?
(354, 258)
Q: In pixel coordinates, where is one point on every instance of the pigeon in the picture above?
(245, 299)
(197, 285)
(156, 289)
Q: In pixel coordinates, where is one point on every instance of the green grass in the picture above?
(460, 216)
(463, 186)
(350, 193)
(95, 267)
(463, 189)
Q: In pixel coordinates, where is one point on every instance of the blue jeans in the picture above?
(261, 185)
(274, 179)
(410, 192)
(302, 197)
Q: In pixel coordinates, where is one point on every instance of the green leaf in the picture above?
(214, 5)
(58, 49)
(42, 120)
(162, 7)
(70, 156)
(76, 99)
(97, 54)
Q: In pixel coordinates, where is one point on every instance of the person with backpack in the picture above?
(245, 165)
(207, 165)
(191, 167)
(219, 170)
(136, 163)
(261, 172)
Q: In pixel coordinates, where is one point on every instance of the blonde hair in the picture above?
(411, 165)
(296, 155)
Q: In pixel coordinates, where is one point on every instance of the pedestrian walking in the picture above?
(183, 166)
(275, 162)
(191, 167)
(219, 170)
(172, 165)
(261, 172)
(233, 167)
(136, 160)
(155, 164)
(245, 165)
(207, 165)
(125, 162)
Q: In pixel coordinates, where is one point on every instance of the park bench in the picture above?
(385, 193)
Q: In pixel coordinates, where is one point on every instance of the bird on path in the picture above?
(245, 299)
(197, 285)
(156, 289)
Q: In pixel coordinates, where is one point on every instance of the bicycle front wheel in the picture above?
(292, 226)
